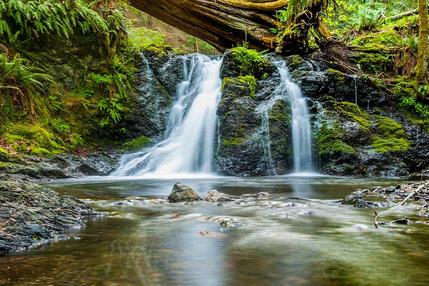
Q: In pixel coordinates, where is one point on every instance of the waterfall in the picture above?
(188, 146)
(301, 127)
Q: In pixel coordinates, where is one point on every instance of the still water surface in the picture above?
(142, 242)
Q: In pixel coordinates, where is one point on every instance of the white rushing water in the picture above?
(188, 147)
(301, 126)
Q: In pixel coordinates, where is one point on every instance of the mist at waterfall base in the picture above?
(188, 148)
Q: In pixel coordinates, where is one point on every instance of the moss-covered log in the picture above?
(222, 23)
(226, 23)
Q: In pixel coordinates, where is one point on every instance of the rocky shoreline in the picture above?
(415, 196)
(64, 166)
(30, 214)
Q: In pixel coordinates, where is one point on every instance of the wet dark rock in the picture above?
(259, 196)
(60, 166)
(252, 125)
(381, 197)
(232, 66)
(402, 221)
(156, 83)
(183, 193)
(214, 197)
(31, 215)
(227, 223)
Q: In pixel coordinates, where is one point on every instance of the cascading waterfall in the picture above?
(301, 127)
(188, 146)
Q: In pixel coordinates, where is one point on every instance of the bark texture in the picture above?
(423, 56)
(222, 23)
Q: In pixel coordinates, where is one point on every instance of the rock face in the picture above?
(31, 215)
(183, 193)
(157, 79)
(58, 167)
(358, 128)
(253, 124)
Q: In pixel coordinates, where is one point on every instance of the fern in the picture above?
(21, 82)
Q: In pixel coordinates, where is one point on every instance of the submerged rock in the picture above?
(226, 223)
(417, 195)
(214, 197)
(183, 193)
(31, 215)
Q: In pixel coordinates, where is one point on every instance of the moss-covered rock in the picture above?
(247, 82)
(389, 135)
(353, 112)
(137, 143)
(241, 61)
(329, 141)
(238, 122)
(33, 138)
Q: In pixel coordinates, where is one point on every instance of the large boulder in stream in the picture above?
(183, 193)
(253, 122)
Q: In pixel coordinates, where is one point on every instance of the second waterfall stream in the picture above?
(188, 147)
(189, 143)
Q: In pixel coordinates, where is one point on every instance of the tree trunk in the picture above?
(222, 23)
(423, 55)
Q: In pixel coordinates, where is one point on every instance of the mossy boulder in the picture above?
(352, 141)
(238, 121)
(389, 135)
(246, 84)
(241, 61)
(253, 130)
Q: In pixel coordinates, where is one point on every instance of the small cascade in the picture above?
(264, 132)
(189, 144)
(301, 126)
(356, 91)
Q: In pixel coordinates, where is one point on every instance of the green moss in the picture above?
(380, 40)
(5, 165)
(233, 141)
(40, 151)
(248, 80)
(329, 141)
(390, 144)
(148, 40)
(28, 137)
(278, 114)
(4, 154)
(250, 62)
(333, 73)
(352, 112)
(386, 126)
(137, 143)
(390, 135)
(294, 61)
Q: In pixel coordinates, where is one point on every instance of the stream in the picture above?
(300, 235)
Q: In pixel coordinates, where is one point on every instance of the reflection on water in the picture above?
(315, 242)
